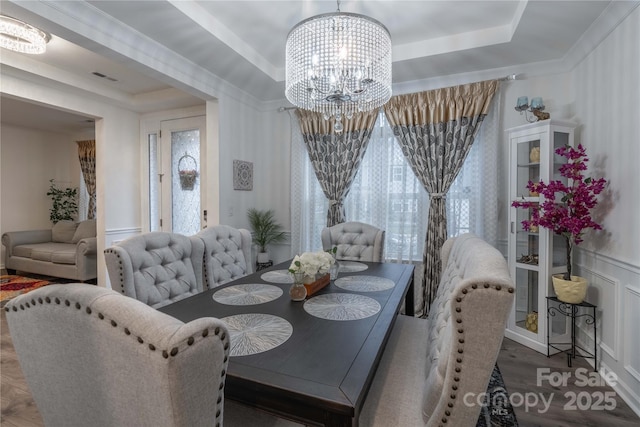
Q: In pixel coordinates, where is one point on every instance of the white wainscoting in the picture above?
(112, 237)
(116, 235)
(614, 286)
(631, 336)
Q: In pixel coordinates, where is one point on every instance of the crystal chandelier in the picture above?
(21, 37)
(338, 64)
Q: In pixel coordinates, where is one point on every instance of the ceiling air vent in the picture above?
(104, 76)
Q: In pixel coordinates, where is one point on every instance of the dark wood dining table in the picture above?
(321, 373)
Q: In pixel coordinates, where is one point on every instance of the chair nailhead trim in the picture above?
(173, 352)
(458, 367)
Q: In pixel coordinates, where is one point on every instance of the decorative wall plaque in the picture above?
(242, 175)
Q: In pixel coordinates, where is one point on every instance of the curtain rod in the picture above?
(510, 77)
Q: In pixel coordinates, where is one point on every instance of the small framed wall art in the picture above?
(242, 175)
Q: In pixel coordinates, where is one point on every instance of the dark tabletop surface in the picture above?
(325, 365)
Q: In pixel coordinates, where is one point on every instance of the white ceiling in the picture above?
(204, 47)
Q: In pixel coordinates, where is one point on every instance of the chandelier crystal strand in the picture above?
(338, 64)
(21, 37)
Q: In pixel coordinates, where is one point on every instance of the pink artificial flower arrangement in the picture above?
(566, 209)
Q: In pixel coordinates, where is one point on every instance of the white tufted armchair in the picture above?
(227, 254)
(93, 357)
(156, 268)
(356, 241)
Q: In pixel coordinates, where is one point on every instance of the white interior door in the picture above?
(182, 179)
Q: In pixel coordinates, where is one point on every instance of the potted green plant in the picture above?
(264, 230)
(64, 203)
(565, 209)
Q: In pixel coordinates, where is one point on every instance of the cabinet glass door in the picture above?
(527, 242)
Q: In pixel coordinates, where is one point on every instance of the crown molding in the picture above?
(87, 26)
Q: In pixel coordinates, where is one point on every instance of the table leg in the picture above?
(595, 341)
(573, 332)
(409, 307)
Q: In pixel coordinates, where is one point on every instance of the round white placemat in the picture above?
(352, 266)
(277, 276)
(249, 294)
(341, 306)
(364, 283)
(254, 333)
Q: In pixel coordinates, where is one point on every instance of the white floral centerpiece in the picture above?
(311, 264)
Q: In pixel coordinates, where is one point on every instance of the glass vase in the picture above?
(334, 270)
(298, 292)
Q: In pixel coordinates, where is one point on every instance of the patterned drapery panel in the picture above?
(87, 156)
(336, 157)
(436, 129)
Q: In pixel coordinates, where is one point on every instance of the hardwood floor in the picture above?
(517, 363)
(519, 366)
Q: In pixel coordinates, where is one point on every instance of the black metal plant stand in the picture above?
(573, 311)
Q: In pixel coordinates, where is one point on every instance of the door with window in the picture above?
(176, 176)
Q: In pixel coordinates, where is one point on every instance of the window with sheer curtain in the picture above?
(385, 193)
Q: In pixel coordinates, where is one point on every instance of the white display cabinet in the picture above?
(534, 255)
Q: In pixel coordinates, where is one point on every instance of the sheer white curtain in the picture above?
(472, 201)
(386, 193)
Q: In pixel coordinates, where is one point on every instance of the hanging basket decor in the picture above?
(187, 176)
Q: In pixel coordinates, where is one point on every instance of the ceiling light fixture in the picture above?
(338, 64)
(21, 37)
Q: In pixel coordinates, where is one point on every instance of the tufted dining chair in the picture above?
(355, 241)
(93, 357)
(157, 268)
(227, 254)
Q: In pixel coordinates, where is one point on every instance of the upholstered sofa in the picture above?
(433, 370)
(68, 250)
